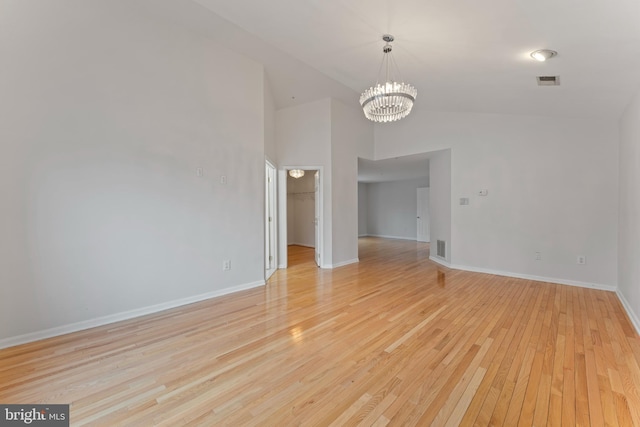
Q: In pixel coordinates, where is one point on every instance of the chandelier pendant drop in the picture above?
(389, 101)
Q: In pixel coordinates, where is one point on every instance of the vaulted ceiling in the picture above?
(462, 55)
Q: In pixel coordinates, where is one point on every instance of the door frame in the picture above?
(317, 211)
(282, 209)
(271, 218)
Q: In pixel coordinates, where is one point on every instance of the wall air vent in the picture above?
(441, 249)
(548, 80)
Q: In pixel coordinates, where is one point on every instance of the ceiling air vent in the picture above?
(548, 80)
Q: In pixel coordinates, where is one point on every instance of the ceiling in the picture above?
(462, 55)
(395, 169)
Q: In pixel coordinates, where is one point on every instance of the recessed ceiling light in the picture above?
(543, 54)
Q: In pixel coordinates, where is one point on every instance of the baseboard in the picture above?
(384, 236)
(440, 261)
(118, 317)
(632, 315)
(527, 276)
(343, 263)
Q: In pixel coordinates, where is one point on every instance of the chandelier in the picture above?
(296, 173)
(389, 101)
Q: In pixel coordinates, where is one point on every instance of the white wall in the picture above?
(392, 208)
(552, 186)
(301, 210)
(351, 137)
(629, 226)
(363, 201)
(333, 135)
(270, 147)
(303, 135)
(440, 202)
(106, 114)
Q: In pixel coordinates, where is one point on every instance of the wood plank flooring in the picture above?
(393, 340)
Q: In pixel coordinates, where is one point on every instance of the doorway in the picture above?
(300, 207)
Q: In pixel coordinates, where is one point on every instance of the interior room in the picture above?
(472, 253)
(388, 193)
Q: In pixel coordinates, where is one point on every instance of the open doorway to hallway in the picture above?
(300, 204)
(302, 215)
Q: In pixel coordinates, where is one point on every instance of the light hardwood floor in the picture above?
(395, 339)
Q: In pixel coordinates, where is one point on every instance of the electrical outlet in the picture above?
(226, 265)
(199, 172)
(538, 256)
(581, 259)
(223, 179)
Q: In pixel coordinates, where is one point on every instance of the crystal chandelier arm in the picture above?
(386, 95)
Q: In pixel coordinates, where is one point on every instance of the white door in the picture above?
(423, 215)
(317, 216)
(270, 221)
